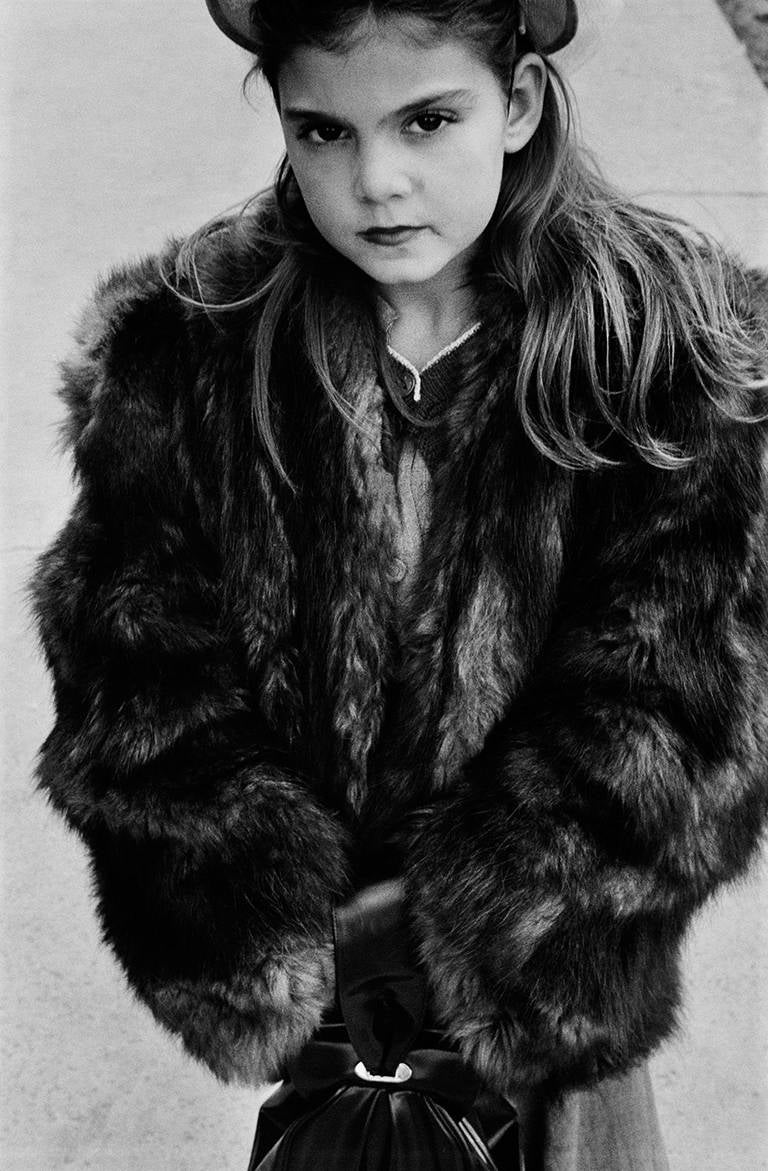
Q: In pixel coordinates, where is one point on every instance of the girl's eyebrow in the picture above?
(297, 114)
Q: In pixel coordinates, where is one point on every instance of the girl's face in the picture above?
(396, 134)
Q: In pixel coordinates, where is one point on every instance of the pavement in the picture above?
(123, 123)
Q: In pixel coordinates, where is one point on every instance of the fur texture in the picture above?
(580, 752)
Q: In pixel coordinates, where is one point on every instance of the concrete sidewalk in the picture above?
(123, 124)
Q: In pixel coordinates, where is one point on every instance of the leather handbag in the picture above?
(379, 1087)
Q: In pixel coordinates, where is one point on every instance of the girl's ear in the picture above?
(525, 102)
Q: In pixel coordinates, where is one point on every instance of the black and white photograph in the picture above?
(385, 585)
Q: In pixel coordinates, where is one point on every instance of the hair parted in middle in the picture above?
(606, 288)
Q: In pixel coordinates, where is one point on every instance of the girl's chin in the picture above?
(395, 270)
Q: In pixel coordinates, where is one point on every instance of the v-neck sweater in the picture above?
(411, 453)
(428, 393)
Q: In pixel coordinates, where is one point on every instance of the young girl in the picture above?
(421, 535)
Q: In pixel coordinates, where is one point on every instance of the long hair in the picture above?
(614, 291)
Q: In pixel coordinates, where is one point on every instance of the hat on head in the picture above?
(550, 24)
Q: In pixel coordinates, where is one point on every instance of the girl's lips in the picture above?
(390, 236)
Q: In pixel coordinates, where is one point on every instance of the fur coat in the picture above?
(577, 754)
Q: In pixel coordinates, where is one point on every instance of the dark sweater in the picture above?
(437, 386)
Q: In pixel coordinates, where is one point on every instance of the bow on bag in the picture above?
(377, 1089)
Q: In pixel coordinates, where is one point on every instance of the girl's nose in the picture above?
(381, 174)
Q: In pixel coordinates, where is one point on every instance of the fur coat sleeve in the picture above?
(551, 888)
(215, 867)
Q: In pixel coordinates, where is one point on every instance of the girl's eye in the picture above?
(430, 121)
(325, 134)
